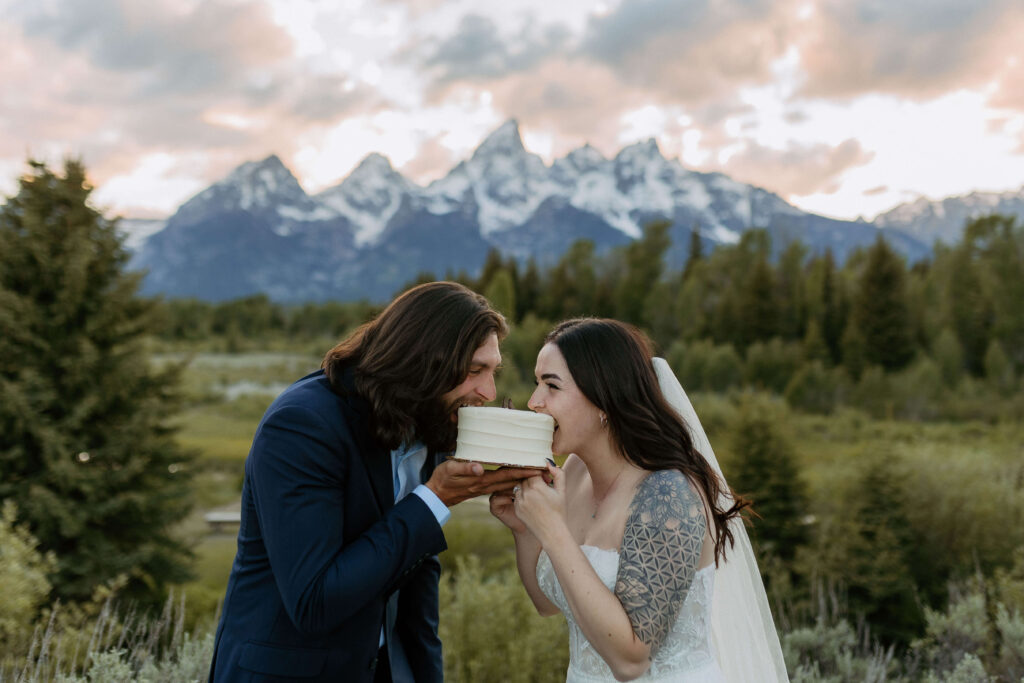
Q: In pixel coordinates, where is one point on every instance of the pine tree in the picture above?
(883, 554)
(696, 252)
(834, 308)
(1000, 241)
(86, 451)
(968, 307)
(501, 292)
(644, 261)
(571, 283)
(528, 289)
(791, 285)
(814, 347)
(492, 264)
(880, 309)
(764, 469)
(758, 305)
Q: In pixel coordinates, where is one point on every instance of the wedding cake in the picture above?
(500, 436)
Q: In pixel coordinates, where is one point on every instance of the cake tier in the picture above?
(501, 436)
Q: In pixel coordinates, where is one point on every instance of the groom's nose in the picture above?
(486, 388)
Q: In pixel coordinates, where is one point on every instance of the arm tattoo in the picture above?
(660, 551)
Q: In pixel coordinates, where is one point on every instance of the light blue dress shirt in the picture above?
(406, 462)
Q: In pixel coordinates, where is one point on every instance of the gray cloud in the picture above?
(118, 81)
(617, 37)
(689, 50)
(210, 49)
(917, 48)
(478, 50)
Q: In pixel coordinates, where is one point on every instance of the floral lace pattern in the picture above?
(686, 654)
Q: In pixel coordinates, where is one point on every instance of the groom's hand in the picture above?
(454, 481)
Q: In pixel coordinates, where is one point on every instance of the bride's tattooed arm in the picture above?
(660, 551)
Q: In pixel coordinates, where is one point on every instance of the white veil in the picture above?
(743, 633)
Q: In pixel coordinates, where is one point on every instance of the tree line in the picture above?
(941, 338)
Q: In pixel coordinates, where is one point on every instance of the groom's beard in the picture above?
(438, 424)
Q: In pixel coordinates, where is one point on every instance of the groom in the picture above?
(346, 490)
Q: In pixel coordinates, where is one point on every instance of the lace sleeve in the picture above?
(660, 550)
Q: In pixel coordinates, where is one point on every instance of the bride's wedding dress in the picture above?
(685, 656)
(720, 635)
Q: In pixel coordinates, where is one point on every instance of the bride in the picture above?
(637, 540)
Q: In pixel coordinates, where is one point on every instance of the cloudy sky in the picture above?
(844, 107)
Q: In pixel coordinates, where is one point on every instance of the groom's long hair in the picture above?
(404, 361)
(610, 362)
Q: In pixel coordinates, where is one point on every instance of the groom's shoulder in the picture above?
(313, 393)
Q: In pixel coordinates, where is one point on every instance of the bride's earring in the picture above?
(604, 420)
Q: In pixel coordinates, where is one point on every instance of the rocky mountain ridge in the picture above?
(257, 230)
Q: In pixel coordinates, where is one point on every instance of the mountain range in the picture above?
(258, 231)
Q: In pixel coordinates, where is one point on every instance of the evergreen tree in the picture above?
(880, 309)
(791, 285)
(852, 345)
(764, 469)
(492, 264)
(644, 261)
(998, 369)
(528, 289)
(758, 305)
(814, 347)
(832, 310)
(571, 283)
(86, 451)
(501, 292)
(1001, 243)
(949, 357)
(695, 254)
(968, 307)
(882, 559)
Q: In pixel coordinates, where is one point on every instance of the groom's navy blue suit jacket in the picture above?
(323, 549)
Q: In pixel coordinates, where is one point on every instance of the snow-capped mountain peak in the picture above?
(505, 141)
(374, 230)
(261, 183)
(369, 196)
(508, 182)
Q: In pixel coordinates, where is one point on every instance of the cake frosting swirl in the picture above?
(500, 436)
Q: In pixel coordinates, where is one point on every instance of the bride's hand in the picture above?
(503, 507)
(541, 506)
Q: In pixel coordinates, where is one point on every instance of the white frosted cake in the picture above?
(500, 436)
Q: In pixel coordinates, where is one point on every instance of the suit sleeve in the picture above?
(417, 622)
(300, 506)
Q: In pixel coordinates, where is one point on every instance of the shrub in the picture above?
(833, 653)
(917, 391)
(491, 631)
(724, 369)
(815, 389)
(770, 366)
(23, 571)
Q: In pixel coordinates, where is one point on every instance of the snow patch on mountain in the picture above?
(369, 197)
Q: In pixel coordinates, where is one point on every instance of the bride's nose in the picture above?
(535, 404)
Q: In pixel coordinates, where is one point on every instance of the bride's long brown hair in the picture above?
(610, 362)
